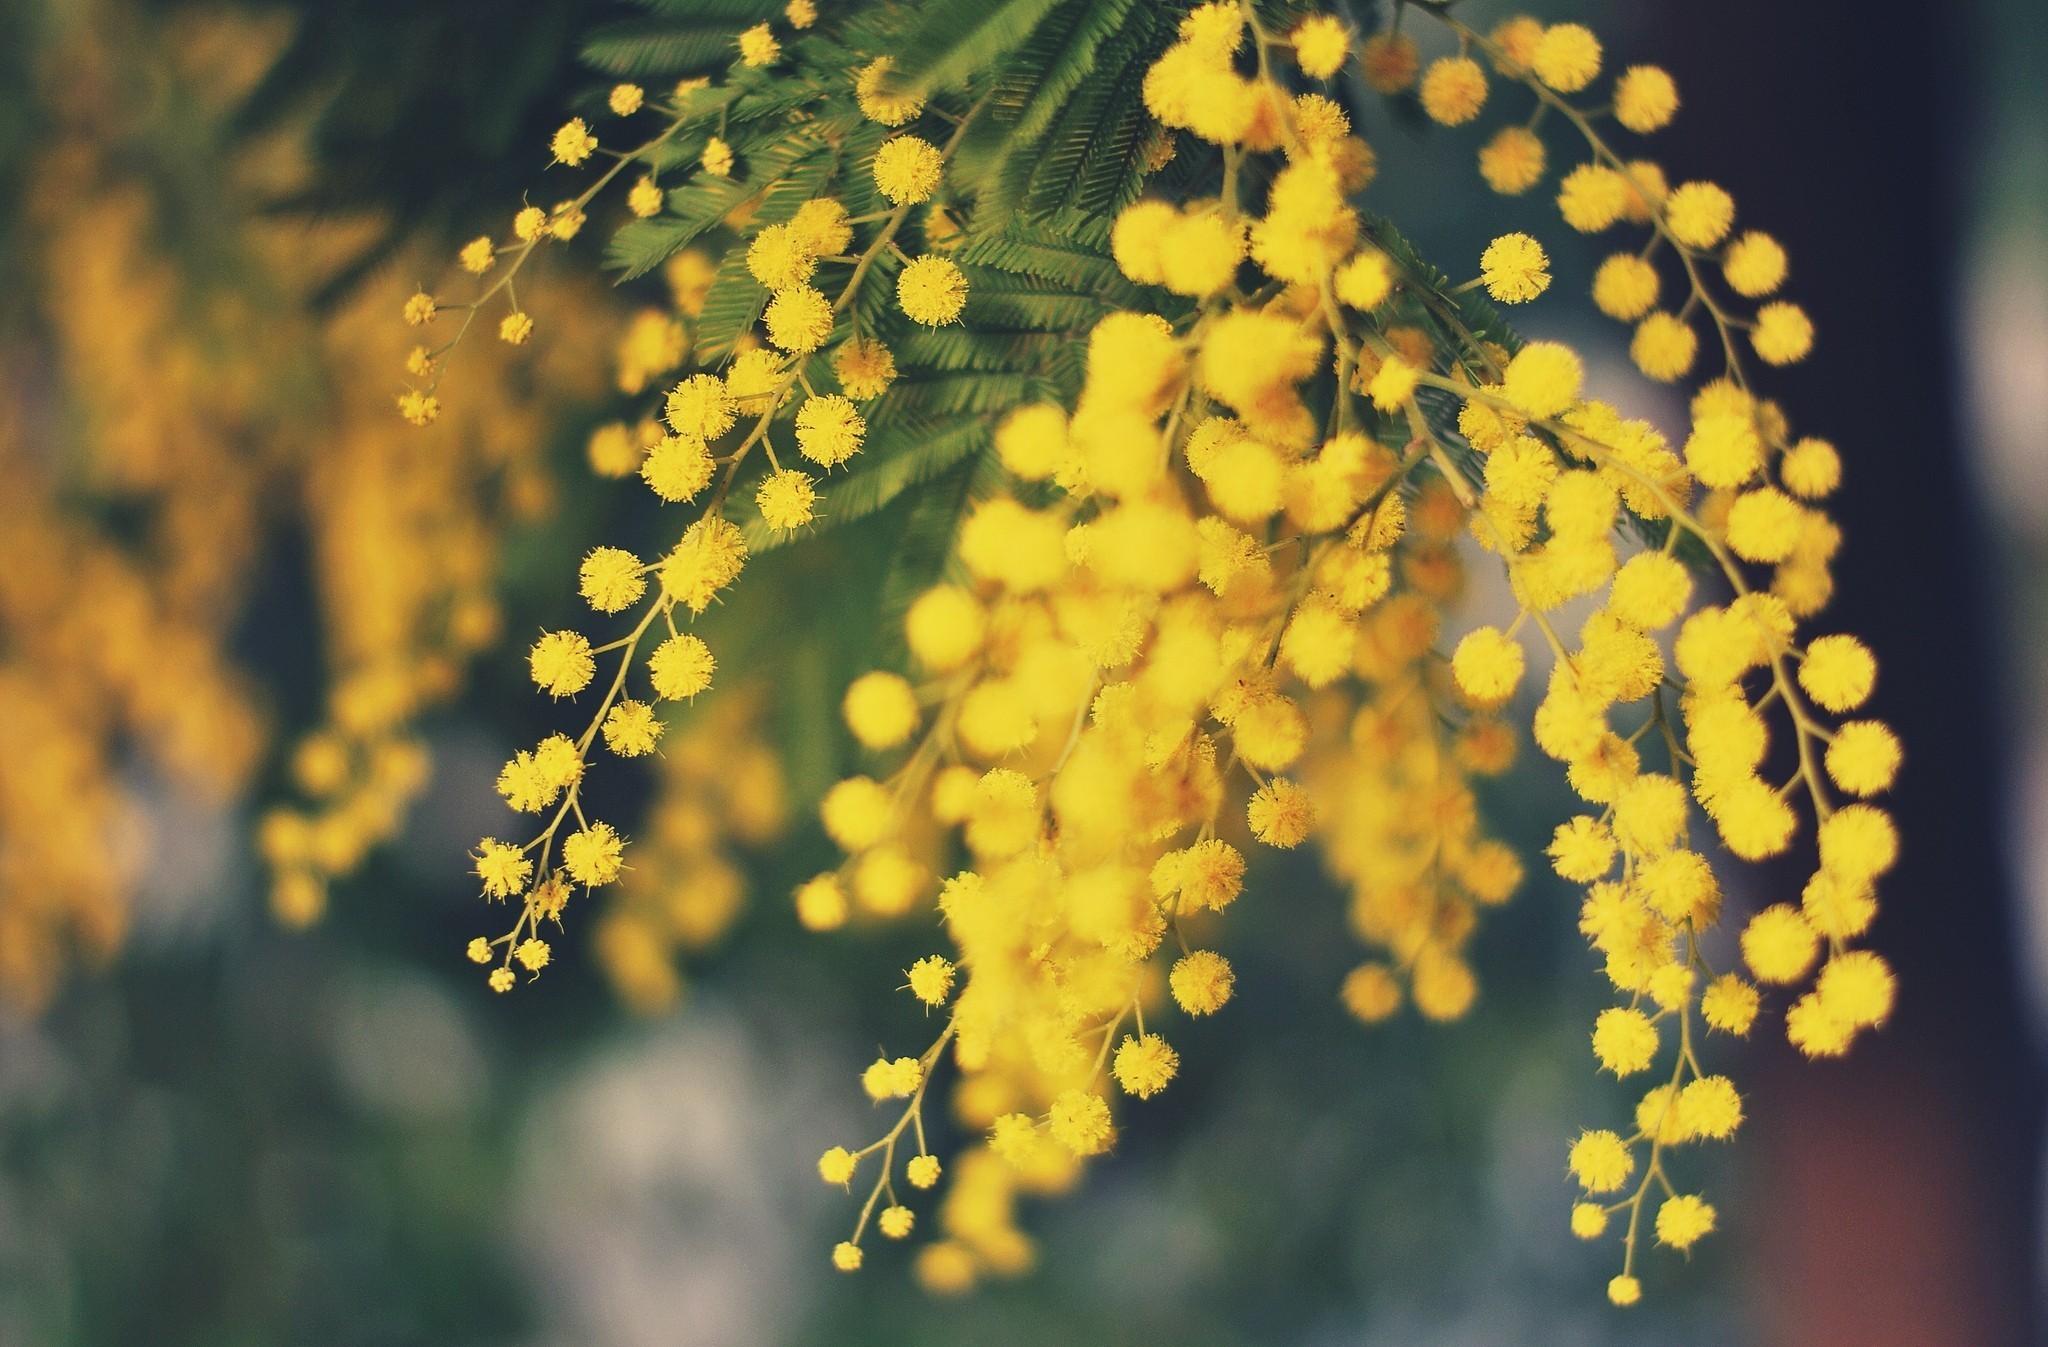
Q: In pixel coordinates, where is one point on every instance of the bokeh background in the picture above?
(236, 1133)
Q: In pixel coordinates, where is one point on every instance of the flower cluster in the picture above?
(1211, 606)
(803, 386)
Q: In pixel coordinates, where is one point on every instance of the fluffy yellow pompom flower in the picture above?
(678, 467)
(1858, 842)
(699, 407)
(1138, 235)
(944, 627)
(561, 663)
(829, 429)
(788, 499)
(681, 667)
(1816, 1030)
(478, 255)
(1543, 379)
(1281, 813)
(1779, 945)
(1592, 197)
(1811, 469)
(876, 103)
(717, 158)
(533, 955)
(1645, 99)
(1650, 590)
(1699, 214)
(1764, 525)
(1864, 757)
(1371, 993)
(1080, 1122)
(1145, 1065)
(644, 198)
(799, 319)
(881, 709)
(846, 1256)
(1390, 61)
(1754, 265)
(1582, 849)
(1663, 347)
(1453, 90)
(1710, 1107)
(631, 729)
(611, 579)
(1625, 287)
(1729, 1004)
(1517, 38)
(1783, 334)
(515, 328)
(779, 257)
(1199, 253)
(1567, 57)
(896, 1222)
(1624, 1290)
(1512, 162)
(1201, 982)
(931, 291)
(1365, 281)
(1589, 1220)
(573, 143)
(1320, 44)
(502, 867)
(1724, 450)
(1684, 1220)
(800, 13)
(1488, 666)
(594, 855)
(931, 979)
(821, 903)
(758, 47)
(1515, 268)
(626, 99)
(907, 169)
(922, 1171)
(836, 1166)
(1857, 987)
(1208, 875)
(1393, 383)
(1624, 1040)
(1838, 672)
(1032, 440)
(857, 812)
(865, 368)
(1600, 1161)
(709, 556)
(823, 227)
(898, 1079)
(417, 408)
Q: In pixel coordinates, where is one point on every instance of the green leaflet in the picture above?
(731, 308)
(783, 168)
(957, 39)
(924, 549)
(1034, 292)
(906, 452)
(678, 37)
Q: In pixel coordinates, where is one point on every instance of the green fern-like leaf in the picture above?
(956, 40)
(905, 454)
